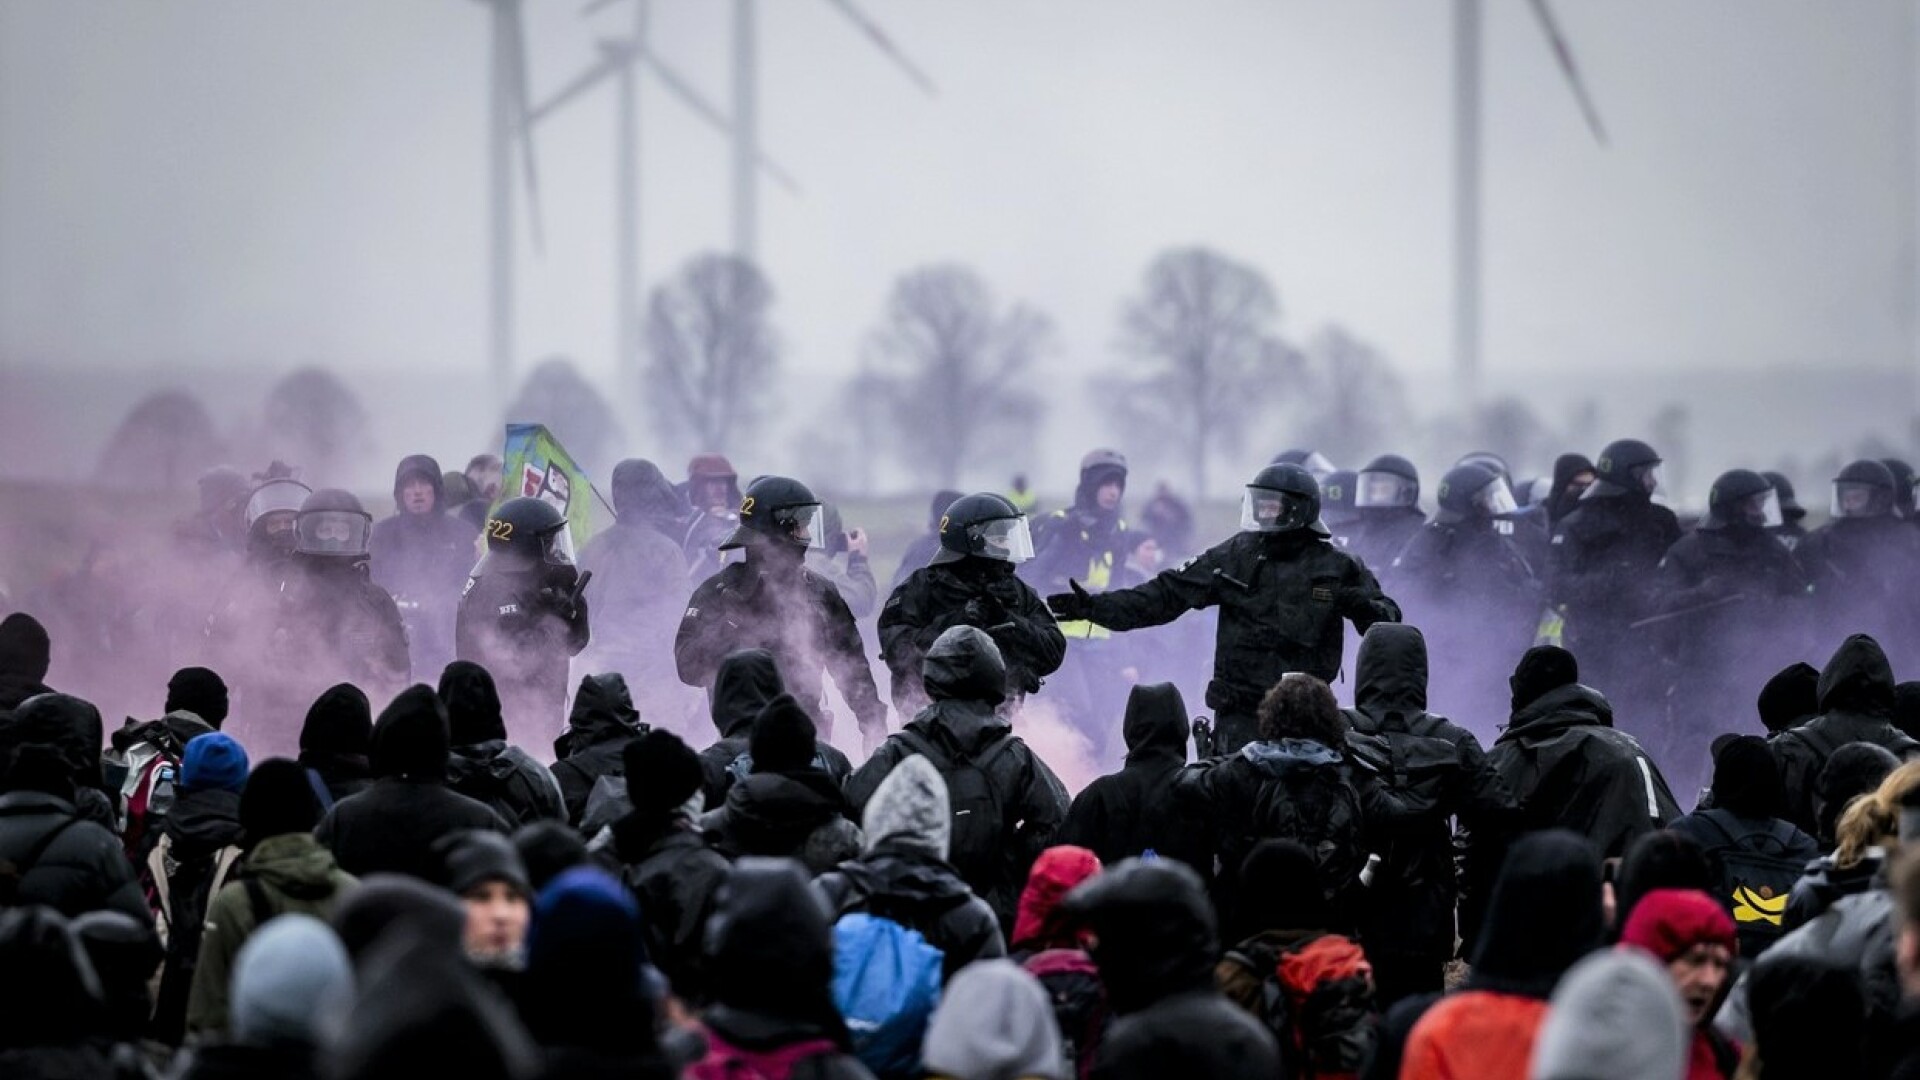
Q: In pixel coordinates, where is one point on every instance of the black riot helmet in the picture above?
(332, 524)
(525, 534)
(273, 512)
(1864, 489)
(1625, 467)
(1336, 497)
(1489, 461)
(1313, 461)
(984, 525)
(1282, 499)
(778, 508)
(1474, 491)
(1387, 482)
(1742, 498)
(1902, 485)
(1790, 507)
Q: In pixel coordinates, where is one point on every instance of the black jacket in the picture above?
(920, 892)
(676, 877)
(1439, 773)
(514, 625)
(1569, 768)
(392, 826)
(794, 614)
(1863, 572)
(603, 722)
(1605, 552)
(640, 585)
(976, 592)
(1470, 569)
(1378, 535)
(799, 815)
(82, 868)
(1856, 705)
(1281, 598)
(1124, 814)
(744, 683)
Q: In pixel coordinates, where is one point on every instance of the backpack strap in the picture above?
(1714, 818)
(162, 886)
(924, 746)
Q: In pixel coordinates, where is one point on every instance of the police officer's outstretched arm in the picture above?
(1031, 633)
(1362, 602)
(1161, 599)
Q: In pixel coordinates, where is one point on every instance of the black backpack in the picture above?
(979, 848)
(1318, 808)
(1756, 877)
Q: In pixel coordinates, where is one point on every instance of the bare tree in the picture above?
(1356, 404)
(951, 365)
(1205, 326)
(557, 395)
(165, 442)
(313, 419)
(712, 351)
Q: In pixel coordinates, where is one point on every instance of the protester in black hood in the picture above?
(1748, 801)
(1856, 705)
(391, 827)
(199, 691)
(1906, 708)
(1133, 811)
(483, 765)
(603, 721)
(989, 768)
(584, 994)
(769, 953)
(334, 741)
(1155, 943)
(1662, 859)
(421, 556)
(61, 859)
(1440, 774)
(124, 952)
(73, 729)
(1567, 765)
(747, 680)
(53, 1017)
(639, 590)
(1854, 770)
(905, 873)
(25, 655)
(421, 1006)
(1571, 475)
(665, 863)
(1790, 698)
(787, 806)
(549, 849)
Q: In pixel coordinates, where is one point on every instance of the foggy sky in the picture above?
(268, 182)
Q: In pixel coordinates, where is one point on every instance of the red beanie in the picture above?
(1668, 922)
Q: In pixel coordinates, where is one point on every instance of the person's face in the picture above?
(1579, 482)
(416, 495)
(1699, 974)
(1147, 555)
(715, 496)
(485, 481)
(1109, 494)
(279, 526)
(497, 918)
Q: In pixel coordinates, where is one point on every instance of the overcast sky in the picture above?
(274, 181)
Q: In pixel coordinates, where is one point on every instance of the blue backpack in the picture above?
(886, 983)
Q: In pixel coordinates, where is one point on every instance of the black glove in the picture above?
(984, 612)
(1071, 606)
(557, 600)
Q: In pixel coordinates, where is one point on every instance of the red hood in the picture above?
(1055, 873)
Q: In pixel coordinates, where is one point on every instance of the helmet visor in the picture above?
(804, 525)
(1496, 498)
(1267, 510)
(557, 546)
(1648, 475)
(1384, 489)
(1318, 465)
(1762, 509)
(1856, 500)
(276, 496)
(333, 532)
(1006, 539)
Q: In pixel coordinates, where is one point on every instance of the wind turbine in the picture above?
(620, 60)
(746, 118)
(1466, 174)
(507, 96)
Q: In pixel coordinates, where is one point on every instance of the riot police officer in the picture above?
(1086, 542)
(1386, 502)
(1863, 560)
(970, 581)
(273, 511)
(1282, 591)
(524, 615)
(772, 601)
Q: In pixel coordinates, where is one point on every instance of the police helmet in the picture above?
(1864, 489)
(1625, 466)
(778, 508)
(1282, 498)
(1790, 507)
(1387, 481)
(1312, 460)
(1474, 490)
(525, 533)
(984, 525)
(332, 523)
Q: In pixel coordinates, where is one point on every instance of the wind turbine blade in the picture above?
(885, 44)
(586, 81)
(706, 110)
(517, 53)
(1567, 67)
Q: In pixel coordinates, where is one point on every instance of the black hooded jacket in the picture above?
(56, 1023)
(1863, 572)
(423, 558)
(1543, 917)
(676, 878)
(789, 815)
(965, 678)
(972, 591)
(1157, 945)
(1128, 813)
(1439, 773)
(25, 655)
(483, 766)
(746, 680)
(903, 883)
(334, 740)
(1605, 551)
(391, 827)
(71, 727)
(1571, 769)
(1856, 705)
(603, 722)
(639, 567)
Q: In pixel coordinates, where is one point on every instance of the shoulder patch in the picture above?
(692, 613)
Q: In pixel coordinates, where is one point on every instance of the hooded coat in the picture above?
(1157, 944)
(1863, 575)
(25, 655)
(1856, 705)
(81, 867)
(422, 560)
(1133, 811)
(971, 591)
(70, 729)
(742, 686)
(1569, 768)
(905, 875)
(602, 723)
(800, 815)
(640, 587)
(966, 678)
(54, 1021)
(334, 741)
(1440, 775)
(392, 826)
(482, 765)
(995, 1023)
(1605, 554)
(677, 878)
